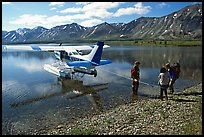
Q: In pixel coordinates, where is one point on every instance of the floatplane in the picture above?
(70, 59)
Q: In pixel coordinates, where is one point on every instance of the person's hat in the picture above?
(137, 62)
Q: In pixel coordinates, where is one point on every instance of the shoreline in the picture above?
(180, 115)
(132, 42)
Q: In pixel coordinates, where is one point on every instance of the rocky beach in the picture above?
(181, 114)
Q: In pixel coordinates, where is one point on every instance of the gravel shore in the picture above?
(181, 114)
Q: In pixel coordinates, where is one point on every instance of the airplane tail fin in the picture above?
(95, 55)
(93, 58)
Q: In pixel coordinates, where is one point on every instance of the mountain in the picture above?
(69, 31)
(22, 35)
(104, 31)
(183, 24)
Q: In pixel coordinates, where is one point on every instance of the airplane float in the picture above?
(70, 59)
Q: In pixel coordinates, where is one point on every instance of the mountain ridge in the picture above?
(185, 23)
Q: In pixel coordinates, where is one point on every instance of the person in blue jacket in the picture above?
(174, 74)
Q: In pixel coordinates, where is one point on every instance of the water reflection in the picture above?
(29, 93)
(26, 54)
(190, 58)
(73, 89)
(80, 90)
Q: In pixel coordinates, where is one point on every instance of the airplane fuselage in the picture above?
(68, 56)
(75, 56)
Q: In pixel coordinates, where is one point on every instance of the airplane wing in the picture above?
(87, 47)
(36, 48)
(53, 48)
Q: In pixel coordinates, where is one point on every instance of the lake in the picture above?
(33, 99)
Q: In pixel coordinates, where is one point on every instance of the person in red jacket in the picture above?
(135, 75)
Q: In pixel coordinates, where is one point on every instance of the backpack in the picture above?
(132, 72)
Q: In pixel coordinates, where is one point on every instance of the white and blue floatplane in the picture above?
(70, 59)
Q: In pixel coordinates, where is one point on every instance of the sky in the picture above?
(17, 15)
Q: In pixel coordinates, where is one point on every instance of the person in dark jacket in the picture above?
(174, 71)
(135, 75)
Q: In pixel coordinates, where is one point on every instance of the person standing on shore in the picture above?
(135, 75)
(174, 72)
(177, 69)
(163, 82)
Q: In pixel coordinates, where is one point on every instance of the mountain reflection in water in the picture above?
(32, 97)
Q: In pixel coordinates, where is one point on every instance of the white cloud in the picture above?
(100, 13)
(93, 9)
(79, 17)
(53, 9)
(91, 22)
(101, 5)
(57, 19)
(124, 11)
(140, 9)
(38, 20)
(6, 3)
(137, 9)
(56, 4)
(88, 15)
(163, 4)
(29, 19)
(92, 6)
(71, 10)
(45, 21)
(82, 3)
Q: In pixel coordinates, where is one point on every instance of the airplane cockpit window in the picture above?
(73, 53)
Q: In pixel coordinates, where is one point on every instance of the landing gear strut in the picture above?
(95, 73)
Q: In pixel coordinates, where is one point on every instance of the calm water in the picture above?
(33, 99)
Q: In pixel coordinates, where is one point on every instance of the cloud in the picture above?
(71, 10)
(28, 19)
(39, 20)
(92, 10)
(56, 4)
(57, 19)
(163, 4)
(91, 22)
(6, 3)
(101, 5)
(100, 13)
(88, 14)
(45, 21)
(53, 8)
(137, 9)
(92, 7)
(82, 3)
